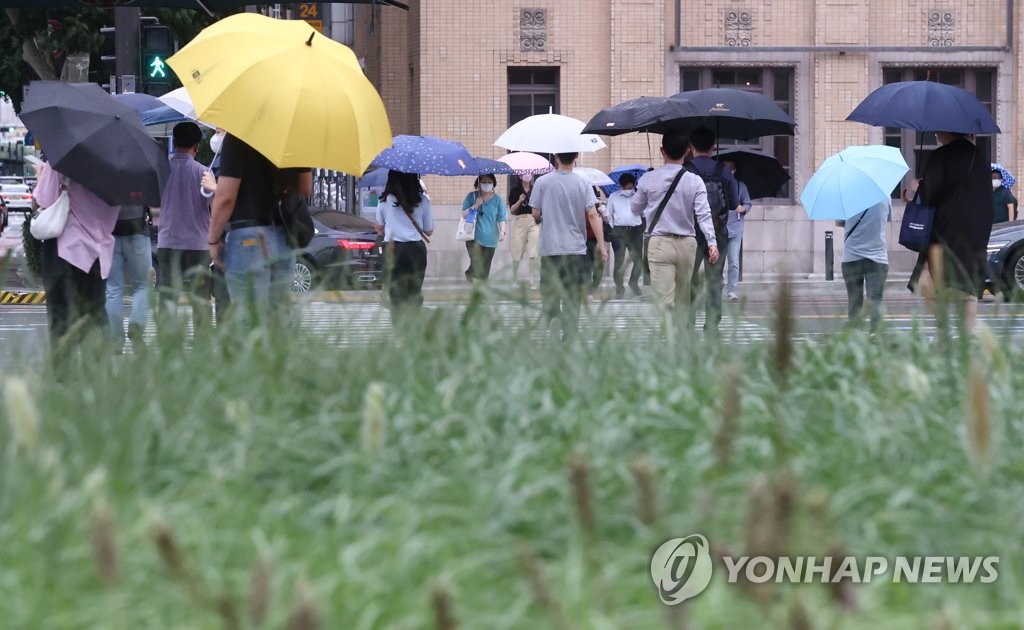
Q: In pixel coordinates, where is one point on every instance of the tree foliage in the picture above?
(35, 42)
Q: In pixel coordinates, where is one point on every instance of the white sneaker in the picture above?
(733, 297)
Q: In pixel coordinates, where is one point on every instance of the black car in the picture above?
(346, 253)
(1006, 258)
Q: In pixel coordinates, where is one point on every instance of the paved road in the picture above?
(23, 328)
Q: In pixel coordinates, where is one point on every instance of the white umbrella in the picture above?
(549, 133)
(523, 162)
(181, 102)
(593, 176)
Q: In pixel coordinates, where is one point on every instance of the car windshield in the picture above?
(343, 221)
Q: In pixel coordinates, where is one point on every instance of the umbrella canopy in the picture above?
(179, 101)
(636, 170)
(763, 174)
(137, 101)
(96, 141)
(427, 155)
(523, 162)
(292, 94)
(925, 106)
(852, 181)
(166, 115)
(486, 166)
(647, 113)
(731, 113)
(374, 179)
(549, 133)
(1008, 179)
(593, 176)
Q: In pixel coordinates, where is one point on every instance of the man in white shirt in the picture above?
(627, 235)
(672, 248)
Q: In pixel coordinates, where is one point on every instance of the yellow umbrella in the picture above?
(295, 96)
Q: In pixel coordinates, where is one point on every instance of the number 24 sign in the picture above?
(309, 11)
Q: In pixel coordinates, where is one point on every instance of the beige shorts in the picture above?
(525, 237)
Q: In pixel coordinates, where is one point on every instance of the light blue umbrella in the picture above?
(1008, 179)
(852, 181)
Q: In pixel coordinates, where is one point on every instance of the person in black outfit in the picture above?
(705, 165)
(404, 219)
(957, 182)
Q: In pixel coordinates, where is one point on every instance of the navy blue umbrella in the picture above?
(486, 166)
(162, 115)
(925, 106)
(138, 101)
(637, 170)
(426, 155)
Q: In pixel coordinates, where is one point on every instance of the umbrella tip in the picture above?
(309, 42)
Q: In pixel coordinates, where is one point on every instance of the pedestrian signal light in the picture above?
(157, 68)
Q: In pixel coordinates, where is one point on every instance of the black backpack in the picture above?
(718, 198)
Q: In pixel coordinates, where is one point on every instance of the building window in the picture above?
(775, 83)
(532, 90)
(917, 146)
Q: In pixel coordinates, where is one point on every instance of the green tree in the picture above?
(35, 42)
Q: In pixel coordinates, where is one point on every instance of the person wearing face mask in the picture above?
(525, 229)
(488, 211)
(627, 235)
(1004, 204)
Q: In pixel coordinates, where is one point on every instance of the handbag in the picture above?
(50, 221)
(467, 227)
(916, 228)
(296, 220)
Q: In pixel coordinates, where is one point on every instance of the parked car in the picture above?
(16, 197)
(346, 253)
(1006, 259)
(11, 179)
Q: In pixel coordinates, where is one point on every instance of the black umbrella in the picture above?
(96, 141)
(732, 113)
(647, 113)
(763, 174)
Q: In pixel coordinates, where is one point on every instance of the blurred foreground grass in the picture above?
(469, 475)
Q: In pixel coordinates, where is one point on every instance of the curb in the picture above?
(22, 297)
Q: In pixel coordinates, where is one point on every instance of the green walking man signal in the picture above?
(157, 69)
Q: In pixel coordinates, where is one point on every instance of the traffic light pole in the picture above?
(126, 48)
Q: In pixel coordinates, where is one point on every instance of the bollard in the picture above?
(830, 262)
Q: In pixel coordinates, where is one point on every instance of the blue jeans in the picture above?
(258, 268)
(133, 258)
(732, 255)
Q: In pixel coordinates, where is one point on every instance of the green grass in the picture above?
(369, 477)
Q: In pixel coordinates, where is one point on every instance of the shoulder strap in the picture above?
(664, 201)
(416, 224)
(851, 230)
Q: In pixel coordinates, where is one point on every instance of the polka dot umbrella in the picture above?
(426, 155)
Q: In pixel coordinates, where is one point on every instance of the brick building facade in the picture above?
(464, 70)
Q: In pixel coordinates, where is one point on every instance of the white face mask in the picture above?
(486, 187)
(628, 193)
(996, 183)
(216, 141)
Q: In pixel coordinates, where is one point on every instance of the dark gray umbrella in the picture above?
(96, 141)
(763, 174)
(733, 113)
(647, 113)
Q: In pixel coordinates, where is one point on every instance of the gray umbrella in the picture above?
(96, 141)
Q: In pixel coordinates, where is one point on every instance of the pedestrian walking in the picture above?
(1004, 204)
(595, 262)
(734, 230)
(674, 203)
(75, 264)
(627, 236)
(256, 258)
(183, 257)
(218, 284)
(866, 261)
(484, 207)
(565, 203)
(723, 195)
(130, 266)
(956, 183)
(405, 219)
(525, 229)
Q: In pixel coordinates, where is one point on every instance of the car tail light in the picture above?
(344, 243)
